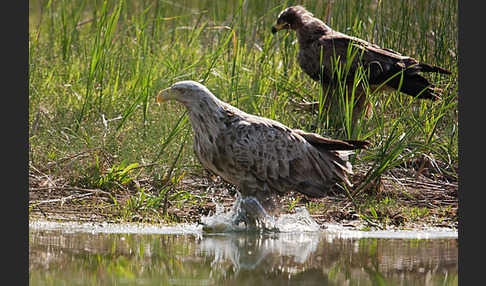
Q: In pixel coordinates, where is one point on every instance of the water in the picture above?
(137, 254)
(248, 214)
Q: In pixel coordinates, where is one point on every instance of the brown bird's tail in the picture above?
(430, 68)
(416, 85)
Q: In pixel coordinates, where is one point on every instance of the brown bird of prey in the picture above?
(380, 65)
(261, 157)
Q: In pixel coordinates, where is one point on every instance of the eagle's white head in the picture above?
(187, 92)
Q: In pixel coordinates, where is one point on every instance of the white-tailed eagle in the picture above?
(260, 156)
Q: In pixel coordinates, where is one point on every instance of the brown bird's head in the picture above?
(291, 18)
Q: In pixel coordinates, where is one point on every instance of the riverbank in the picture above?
(401, 204)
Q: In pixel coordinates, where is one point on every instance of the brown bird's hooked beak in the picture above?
(278, 27)
(163, 95)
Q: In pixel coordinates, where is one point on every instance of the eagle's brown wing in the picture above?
(328, 144)
(262, 156)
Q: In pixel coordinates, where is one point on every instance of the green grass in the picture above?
(96, 66)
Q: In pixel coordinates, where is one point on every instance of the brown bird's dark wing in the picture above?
(380, 65)
(381, 62)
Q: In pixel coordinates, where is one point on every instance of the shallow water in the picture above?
(108, 254)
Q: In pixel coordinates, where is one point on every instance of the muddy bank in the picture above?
(401, 203)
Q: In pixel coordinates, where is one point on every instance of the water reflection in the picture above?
(58, 257)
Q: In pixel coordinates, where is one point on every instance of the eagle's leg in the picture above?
(254, 206)
(249, 211)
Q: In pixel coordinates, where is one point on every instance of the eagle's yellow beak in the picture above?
(163, 95)
(277, 27)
